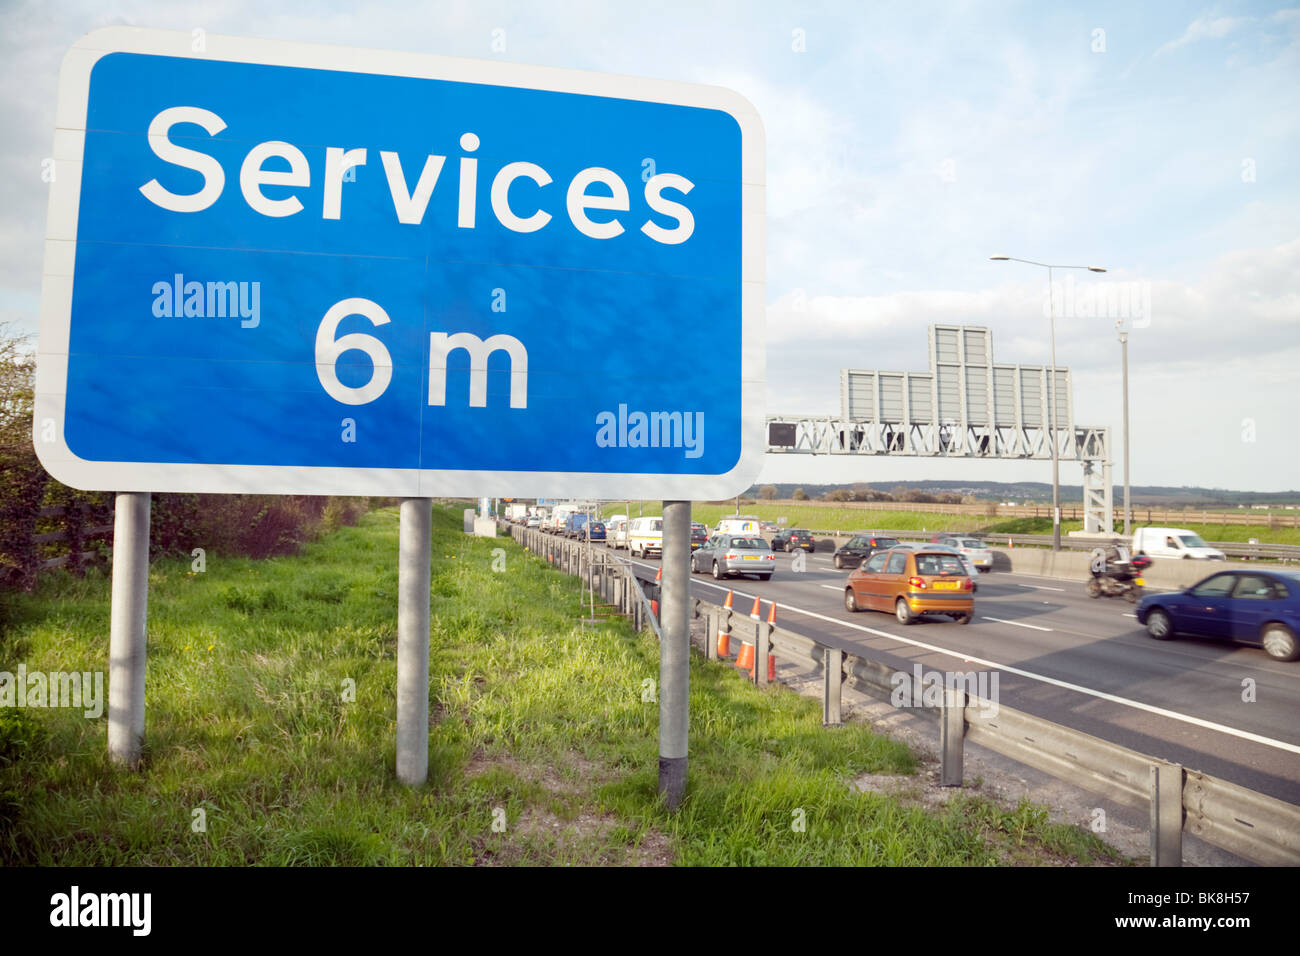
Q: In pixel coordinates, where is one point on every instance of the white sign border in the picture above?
(60, 252)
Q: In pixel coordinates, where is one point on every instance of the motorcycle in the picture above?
(1120, 579)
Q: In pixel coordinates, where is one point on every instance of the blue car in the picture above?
(1253, 607)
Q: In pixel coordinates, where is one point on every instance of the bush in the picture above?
(22, 479)
(341, 512)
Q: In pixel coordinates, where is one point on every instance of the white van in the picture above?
(646, 535)
(1174, 543)
(616, 531)
(559, 516)
(739, 524)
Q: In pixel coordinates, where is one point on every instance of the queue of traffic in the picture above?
(939, 577)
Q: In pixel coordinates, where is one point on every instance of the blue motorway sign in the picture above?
(285, 268)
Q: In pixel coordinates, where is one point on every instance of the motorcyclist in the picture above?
(1118, 556)
(1113, 571)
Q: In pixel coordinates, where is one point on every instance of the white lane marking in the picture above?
(1042, 587)
(1126, 614)
(1102, 695)
(1033, 627)
(832, 587)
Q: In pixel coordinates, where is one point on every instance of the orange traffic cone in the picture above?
(754, 613)
(724, 638)
(745, 659)
(654, 605)
(771, 658)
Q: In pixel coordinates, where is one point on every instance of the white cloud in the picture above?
(1204, 28)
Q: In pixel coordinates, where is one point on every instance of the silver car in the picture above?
(728, 554)
(973, 548)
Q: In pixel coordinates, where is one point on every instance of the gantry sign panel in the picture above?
(965, 406)
(963, 387)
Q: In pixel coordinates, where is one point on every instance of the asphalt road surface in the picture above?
(1224, 709)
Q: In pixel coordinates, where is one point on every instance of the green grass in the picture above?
(820, 517)
(535, 724)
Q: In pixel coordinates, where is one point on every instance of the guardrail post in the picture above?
(762, 648)
(1166, 814)
(952, 730)
(712, 621)
(832, 687)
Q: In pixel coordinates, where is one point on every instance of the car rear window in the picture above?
(971, 543)
(749, 544)
(939, 564)
(884, 542)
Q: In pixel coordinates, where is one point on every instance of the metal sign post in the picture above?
(674, 652)
(126, 642)
(413, 575)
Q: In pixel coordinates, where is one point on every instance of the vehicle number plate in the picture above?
(945, 585)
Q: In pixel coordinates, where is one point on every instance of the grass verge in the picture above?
(270, 732)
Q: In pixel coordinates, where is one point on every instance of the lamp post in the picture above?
(1051, 388)
(1123, 348)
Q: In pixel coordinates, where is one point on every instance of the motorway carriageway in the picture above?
(1081, 662)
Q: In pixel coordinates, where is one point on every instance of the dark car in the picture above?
(699, 535)
(1253, 607)
(792, 539)
(575, 525)
(860, 547)
(594, 531)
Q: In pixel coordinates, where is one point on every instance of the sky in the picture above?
(906, 144)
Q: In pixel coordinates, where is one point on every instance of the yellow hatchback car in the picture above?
(911, 583)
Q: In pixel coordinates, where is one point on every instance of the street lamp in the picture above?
(1123, 347)
(1051, 388)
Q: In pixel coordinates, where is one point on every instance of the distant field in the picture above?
(819, 517)
(829, 517)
